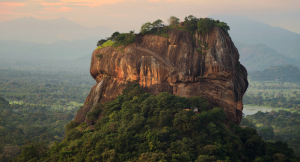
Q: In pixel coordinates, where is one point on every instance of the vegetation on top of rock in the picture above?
(108, 43)
(147, 27)
(191, 23)
(100, 42)
(116, 40)
(173, 21)
(284, 73)
(138, 126)
(204, 25)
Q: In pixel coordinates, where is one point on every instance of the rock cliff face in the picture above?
(183, 64)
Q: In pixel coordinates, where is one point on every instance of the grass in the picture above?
(99, 56)
(109, 43)
(68, 106)
(273, 89)
(200, 50)
(16, 102)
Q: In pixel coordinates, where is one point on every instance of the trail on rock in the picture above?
(157, 56)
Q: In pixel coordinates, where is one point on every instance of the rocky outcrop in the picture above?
(184, 64)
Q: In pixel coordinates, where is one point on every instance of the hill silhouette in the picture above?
(259, 56)
(249, 31)
(284, 73)
(41, 31)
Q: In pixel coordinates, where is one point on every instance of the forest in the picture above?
(24, 122)
(35, 106)
(138, 126)
(56, 90)
(277, 126)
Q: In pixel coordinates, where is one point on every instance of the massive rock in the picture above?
(184, 64)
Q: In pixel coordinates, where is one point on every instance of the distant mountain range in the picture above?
(259, 56)
(249, 31)
(15, 49)
(31, 29)
(260, 45)
(80, 65)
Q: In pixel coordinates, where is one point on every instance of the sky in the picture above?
(125, 15)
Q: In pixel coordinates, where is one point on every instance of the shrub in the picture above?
(205, 25)
(92, 115)
(124, 39)
(71, 125)
(100, 42)
(99, 56)
(146, 27)
(108, 43)
(150, 28)
(73, 135)
(173, 21)
(114, 36)
(190, 23)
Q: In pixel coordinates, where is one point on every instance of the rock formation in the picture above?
(184, 64)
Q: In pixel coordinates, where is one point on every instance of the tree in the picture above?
(224, 27)
(32, 150)
(200, 103)
(205, 158)
(146, 28)
(205, 25)
(173, 21)
(212, 129)
(190, 22)
(114, 36)
(157, 24)
(100, 42)
(278, 157)
(267, 133)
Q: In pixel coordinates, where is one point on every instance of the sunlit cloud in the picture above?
(92, 3)
(59, 9)
(10, 4)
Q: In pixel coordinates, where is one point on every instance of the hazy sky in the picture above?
(123, 15)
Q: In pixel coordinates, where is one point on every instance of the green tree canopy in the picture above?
(146, 27)
(100, 42)
(172, 20)
(158, 24)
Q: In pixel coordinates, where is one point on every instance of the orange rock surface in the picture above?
(184, 64)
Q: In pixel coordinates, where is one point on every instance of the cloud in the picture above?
(16, 1)
(52, 1)
(59, 9)
(31, 6)
(130, 14)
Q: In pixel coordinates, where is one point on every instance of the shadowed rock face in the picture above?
(185, 65)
